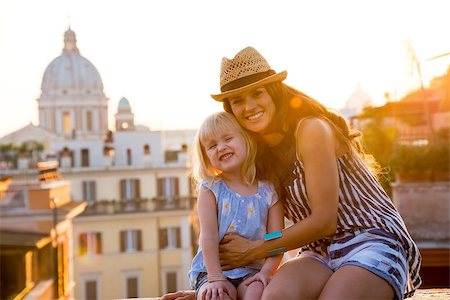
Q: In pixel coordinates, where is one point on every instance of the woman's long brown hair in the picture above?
(293, 105)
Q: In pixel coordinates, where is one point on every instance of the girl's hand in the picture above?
(216, 290)
(263, 277)
(236, 251)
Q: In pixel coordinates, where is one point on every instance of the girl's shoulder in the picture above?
(217, 187)
(265, 184)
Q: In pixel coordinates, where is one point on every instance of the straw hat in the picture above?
(247, 70)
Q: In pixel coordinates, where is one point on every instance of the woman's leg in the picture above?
(298, 278)
(353, 282)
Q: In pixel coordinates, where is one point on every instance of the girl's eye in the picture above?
(211, 147)
(229, 138)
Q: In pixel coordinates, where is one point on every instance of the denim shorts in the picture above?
(202, 278)
(372, 249)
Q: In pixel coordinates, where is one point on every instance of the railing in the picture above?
(156, 204)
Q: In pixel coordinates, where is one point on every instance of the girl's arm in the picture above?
(209, 240)
(209, 230)
(316, 146)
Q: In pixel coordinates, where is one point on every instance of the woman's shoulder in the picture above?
(312, 124)
(313, 134)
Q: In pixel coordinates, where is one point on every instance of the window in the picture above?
(66, 122)
(89, 121)
(147, 149)
(85, 157)
(171, 156)
(90, 243)
(130, 240)
(90, 288)
(130, 189)
(90, 191)
(170, 280)
(168, 187)
(169, 238)
(129, 157)
(132, 287)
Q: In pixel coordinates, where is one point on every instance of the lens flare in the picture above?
(295, 102)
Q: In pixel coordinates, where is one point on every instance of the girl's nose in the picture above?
(222, 146)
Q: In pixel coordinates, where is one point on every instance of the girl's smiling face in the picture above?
(226, 151)
(254, 110)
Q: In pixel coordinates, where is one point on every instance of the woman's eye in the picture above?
(257, 94)
(236, 101)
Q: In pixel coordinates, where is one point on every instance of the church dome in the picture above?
(124, 103)
(71, 72)
(358, 100)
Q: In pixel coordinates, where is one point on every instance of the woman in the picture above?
(353, 242)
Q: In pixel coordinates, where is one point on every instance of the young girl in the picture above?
(231, 200)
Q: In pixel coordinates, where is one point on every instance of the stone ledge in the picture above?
(435, 294)
(421, 294)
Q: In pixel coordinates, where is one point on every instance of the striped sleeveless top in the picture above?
(362, 204)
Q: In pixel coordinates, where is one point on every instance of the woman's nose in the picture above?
(250, 103)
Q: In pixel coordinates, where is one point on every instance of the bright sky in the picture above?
(164, 56)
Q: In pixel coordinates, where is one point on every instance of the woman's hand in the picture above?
(236, 251)
(180, 295)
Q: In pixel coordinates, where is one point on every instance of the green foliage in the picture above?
(381, 142)
(435, 156)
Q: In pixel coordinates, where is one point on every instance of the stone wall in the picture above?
(425, 208)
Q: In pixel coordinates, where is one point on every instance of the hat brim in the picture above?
(270, 79)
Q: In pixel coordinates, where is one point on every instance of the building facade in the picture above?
(135, 237)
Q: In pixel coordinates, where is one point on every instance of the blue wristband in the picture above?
(277, 251)
(273, 235)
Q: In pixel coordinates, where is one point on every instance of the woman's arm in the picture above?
(275, 222)
(316, 146)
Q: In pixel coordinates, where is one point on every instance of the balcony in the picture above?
(156, 204)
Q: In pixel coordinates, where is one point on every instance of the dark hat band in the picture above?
(238, 83)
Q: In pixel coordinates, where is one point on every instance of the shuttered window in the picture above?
(91, 290)
(130, 240)
(169, 238)
(132, 287)
(168, 187)
(130, 189)
(90, 191)
(90, 243)
(171, 282)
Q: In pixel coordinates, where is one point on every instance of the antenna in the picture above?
(414, 62)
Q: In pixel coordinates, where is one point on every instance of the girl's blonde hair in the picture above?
(215, 125)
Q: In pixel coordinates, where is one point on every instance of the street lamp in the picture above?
(54, 206)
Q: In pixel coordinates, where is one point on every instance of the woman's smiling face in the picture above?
(254, 110)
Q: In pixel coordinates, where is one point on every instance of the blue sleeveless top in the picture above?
(240, 214)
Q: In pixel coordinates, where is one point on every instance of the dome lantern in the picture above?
(70, 41)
